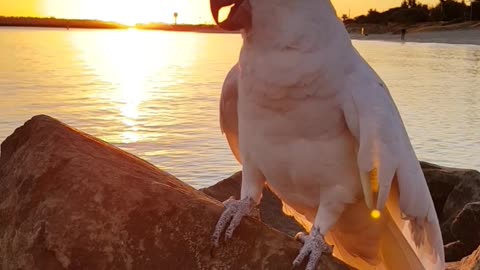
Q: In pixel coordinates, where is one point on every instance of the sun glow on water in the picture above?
(129, 61)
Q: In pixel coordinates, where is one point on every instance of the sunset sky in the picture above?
(134, 11)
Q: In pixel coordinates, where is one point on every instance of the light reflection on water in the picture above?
(437, 90)
(156, 94)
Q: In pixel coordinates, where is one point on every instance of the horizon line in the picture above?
(103, 21)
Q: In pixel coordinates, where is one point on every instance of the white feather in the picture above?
(384, 145)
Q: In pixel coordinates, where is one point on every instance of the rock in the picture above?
(441, 182)
(453, 266)
(465, 192)
(447, 232)
(466, 224)
(70, 201)
(270, 206)
(452, 189)
(455, 251)
(471, 262)
(466, 227)
(429, 166)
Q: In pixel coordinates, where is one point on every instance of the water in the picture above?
(156, 94)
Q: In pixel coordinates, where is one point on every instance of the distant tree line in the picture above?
(54, 22)
(411, 11)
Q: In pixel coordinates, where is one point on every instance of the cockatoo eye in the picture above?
(239, 17)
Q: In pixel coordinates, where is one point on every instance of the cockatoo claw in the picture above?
(234, 211)
(314, 245)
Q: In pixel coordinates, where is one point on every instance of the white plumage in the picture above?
(304, 112)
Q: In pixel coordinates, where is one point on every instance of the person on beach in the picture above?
(404, 31)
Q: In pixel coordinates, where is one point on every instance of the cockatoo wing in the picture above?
(228, 110)
(384, 154)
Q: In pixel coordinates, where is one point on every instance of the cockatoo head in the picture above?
(277, 22)
(240, 16)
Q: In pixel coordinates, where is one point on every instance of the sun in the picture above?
(131, 20)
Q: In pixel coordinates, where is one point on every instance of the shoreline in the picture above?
(456, 37)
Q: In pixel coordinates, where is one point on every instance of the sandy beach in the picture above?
(449, 37)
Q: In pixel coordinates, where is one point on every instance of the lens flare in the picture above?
(375, 214)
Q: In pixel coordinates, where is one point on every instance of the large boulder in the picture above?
(70, 201)
(455, 193)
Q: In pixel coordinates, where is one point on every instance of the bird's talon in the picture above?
(300, 237)
(234, 211)
(228, 201)
(328, 249)
(314, 246)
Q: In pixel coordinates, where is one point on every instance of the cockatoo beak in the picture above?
(240, 16)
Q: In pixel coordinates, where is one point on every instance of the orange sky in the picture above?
(133, 11)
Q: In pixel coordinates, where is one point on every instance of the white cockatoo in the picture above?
(304, 113)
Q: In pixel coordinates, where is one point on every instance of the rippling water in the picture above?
(156, 94)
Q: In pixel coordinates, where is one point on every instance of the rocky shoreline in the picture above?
(71, 201)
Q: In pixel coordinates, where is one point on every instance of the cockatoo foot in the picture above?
(234, 211)
(314, 245)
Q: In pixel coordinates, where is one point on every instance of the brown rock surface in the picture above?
(471, 262)
(441, 182)
(452, 191)
(465, 192)
(466, 225)
(453, 266)
(455, 251)
(70, 201)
